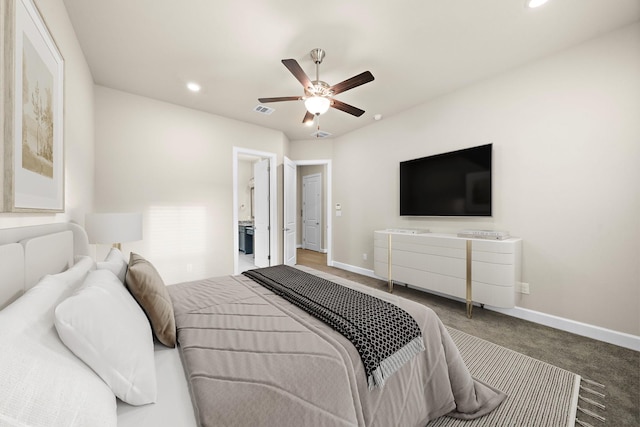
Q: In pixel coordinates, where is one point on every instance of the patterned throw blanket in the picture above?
(385, 335)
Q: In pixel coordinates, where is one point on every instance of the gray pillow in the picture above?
(147, 287)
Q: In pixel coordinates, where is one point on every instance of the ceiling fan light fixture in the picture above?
(317, 104)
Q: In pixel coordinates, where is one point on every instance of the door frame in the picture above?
(289, 211)
(273, 203)
(329, 225)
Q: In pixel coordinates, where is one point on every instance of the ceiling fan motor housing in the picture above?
(317, 55)
(319, 88)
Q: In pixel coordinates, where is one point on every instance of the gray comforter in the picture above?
(254, 359)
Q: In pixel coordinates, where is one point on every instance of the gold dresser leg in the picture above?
(469, 293)
(389, 263)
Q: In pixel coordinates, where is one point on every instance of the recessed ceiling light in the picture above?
(193, 87)
(535, 3)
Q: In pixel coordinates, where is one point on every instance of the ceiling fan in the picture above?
(318, 95)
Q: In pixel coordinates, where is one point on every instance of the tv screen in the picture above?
(449, 184)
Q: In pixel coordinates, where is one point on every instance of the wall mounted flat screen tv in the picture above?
(457, 183)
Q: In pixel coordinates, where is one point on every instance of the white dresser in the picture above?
(477, 270)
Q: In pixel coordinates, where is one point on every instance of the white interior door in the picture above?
(312, 212)
(289, 212)
(261, 213)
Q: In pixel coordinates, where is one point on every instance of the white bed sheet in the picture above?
(173, 406)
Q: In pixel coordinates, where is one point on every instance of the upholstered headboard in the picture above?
(28, 253)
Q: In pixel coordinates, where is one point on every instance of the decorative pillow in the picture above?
(147, 287)
(116, 262)
(104, 326)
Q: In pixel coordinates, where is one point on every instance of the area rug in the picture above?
(539, 394)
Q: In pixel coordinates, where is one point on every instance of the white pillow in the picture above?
(41, 382)
(116, 263)
(37, 304)
(42, 387)
(104, 326)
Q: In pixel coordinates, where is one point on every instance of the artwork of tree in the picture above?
(37, 113)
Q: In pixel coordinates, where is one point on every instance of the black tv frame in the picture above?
(453, 184)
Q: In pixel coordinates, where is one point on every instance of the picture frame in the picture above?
(32, 119)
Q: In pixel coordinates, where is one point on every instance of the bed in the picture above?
(72, 339)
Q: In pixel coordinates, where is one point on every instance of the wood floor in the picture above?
(318, 261)
(311, 258)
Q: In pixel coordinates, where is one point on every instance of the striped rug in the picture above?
(539, 394)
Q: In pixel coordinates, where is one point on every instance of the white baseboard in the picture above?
(354, 269)
(584, 329)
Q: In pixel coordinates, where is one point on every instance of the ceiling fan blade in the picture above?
(354, 81)
(281, 98)
(308, 117)
(297, 72)
(339, 105)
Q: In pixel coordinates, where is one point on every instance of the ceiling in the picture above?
(417, 50)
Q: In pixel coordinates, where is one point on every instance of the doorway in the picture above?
(254, 209)
(312, 197)
(293, 231)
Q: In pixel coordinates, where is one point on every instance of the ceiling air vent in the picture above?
(263, 110)
(320, 134)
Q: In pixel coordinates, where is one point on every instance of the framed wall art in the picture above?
(33, 112)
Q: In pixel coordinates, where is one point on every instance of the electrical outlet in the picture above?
(524, 288)
(364, 256)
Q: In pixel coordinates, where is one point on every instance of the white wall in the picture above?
(566, 138)
(311, 149)
(173, 164)
(78, 124)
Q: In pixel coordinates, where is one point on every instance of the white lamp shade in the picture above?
(111, 228)
(317, 104)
